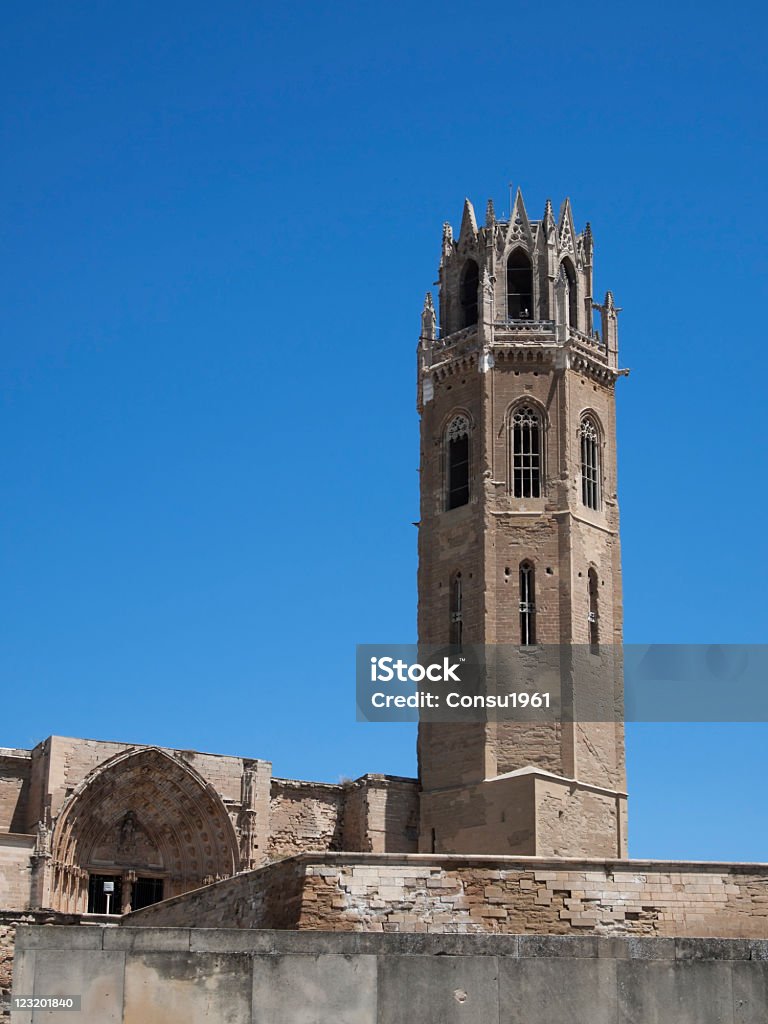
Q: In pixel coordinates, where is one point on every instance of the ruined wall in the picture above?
(9, 923)
(376, 813)
(16, 871)
(304, 816)
(392, 815)
(419, 893)
(15, 773)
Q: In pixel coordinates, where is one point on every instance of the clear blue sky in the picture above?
(218, 224)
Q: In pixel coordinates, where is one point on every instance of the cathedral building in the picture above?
(519, 544)
(511, 826)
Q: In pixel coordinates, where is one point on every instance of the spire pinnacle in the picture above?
(548, 220)
(468, 222)
(490, 214)
(428, 318)
(519, 225)
(566, 233)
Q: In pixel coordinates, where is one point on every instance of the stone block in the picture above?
(541, 990)
(558, 946)
(750, 992)
(95, 975)
(677, 992)
(60, 936)
(197, 988)
(712, 949)
(438, 990)
(308, 989)
(155, 939)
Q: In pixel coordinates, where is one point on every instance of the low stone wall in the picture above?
(188, 976)
(445, 894)
(9, 922)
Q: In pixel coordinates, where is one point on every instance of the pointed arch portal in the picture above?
(145, 820)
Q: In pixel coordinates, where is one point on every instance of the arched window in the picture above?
(519, 286)
(456, 624)
(526, 452)
(470, 282)
(527, 605)
(594, 620)
(457, 462)
(573, 294)
(590, 463)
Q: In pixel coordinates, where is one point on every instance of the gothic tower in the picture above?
(519, 528)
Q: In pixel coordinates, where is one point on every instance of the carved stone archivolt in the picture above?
(142, 811)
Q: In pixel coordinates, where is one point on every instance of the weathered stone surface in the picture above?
(165, 987)
(426, 894)
(438, 990)
(303, 988)
(674, 992)
(540, 990)
(338, 978)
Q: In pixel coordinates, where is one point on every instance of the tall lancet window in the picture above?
(589, 438)
(470, 282)
(456, 623)
(457, 462)
(526, 452)
(573, 294)
(594, 618)
(527, 604)
(519, 286)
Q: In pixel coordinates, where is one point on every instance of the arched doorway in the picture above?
(142, 826)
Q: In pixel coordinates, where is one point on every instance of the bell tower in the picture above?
(519, 528)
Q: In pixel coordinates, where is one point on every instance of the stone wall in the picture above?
(186, 976)
(376, 813)
(304, 816)
(452, 894)
(16, 871)
(9, 923)
(525, 813)
(15, 774)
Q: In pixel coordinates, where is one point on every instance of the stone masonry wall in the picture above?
(448, 894)
(9, 922)
(16, 871)
(304, 816)
(15, 772)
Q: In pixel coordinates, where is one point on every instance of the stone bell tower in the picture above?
(519, 529)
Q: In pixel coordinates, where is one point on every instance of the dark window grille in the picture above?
(519, 286)
(526, 453)
(470, 282)
(590, 464)
(457, 443)
(145, 892)
(527, 605)
(594, 618)
(457, 621)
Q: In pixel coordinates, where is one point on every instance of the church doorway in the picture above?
(105, 891)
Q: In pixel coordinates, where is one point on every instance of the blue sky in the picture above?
(218, 225)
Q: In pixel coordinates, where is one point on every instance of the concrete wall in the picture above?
(438, 894)
(186, 976)
(9, 922)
